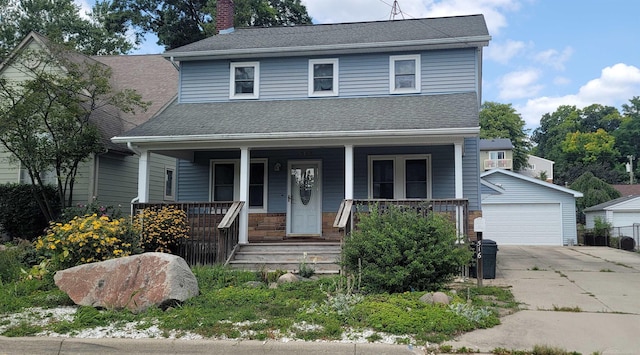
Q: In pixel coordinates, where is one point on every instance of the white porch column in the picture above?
(348, 172)
(458, 170)
(243, 238)
(143, 176)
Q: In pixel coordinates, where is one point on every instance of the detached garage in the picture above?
(521, 210)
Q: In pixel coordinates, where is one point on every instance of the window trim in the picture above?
(392, 74)
(236, 181)
(497, 152)
(171, 197)
(399, 174)
(335, 89)
(232, 81)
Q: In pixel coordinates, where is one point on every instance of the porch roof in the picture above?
(298, 118)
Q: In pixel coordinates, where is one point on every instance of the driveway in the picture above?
(584, 299)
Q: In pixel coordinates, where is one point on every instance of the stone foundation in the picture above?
(272, 227)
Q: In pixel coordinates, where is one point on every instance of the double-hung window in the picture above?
(245, 80)
(225, 182)
(400, 177)
(323, 77)
(404, 74)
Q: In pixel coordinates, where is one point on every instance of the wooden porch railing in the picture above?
(206, 245)
(456, 209)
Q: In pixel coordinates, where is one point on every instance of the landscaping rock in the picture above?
(435, 298)
(133, 282)
(288, 277)
(253, 284)
(440, 298)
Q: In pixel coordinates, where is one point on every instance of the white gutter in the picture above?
(295, 135)
(377, 46)
(137, 198)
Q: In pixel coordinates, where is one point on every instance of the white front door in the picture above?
(304, 208)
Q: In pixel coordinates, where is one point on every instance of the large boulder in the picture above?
(134, 282)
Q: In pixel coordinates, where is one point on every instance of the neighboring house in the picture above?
(626, 189)
(537, 166)
(110, 177)
(295, 120)
(521, 210)
(623, 213)
(496, 153)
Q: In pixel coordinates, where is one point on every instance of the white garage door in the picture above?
(623, 219)
(523, 224)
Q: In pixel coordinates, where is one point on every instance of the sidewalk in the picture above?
(60, 346)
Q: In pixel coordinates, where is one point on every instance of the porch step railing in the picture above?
(457, 209)
(206, 245)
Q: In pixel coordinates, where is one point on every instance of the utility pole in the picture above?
(630, 168)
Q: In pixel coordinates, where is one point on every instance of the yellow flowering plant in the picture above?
(87, 239)
(161, 229)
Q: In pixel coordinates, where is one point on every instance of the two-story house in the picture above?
(294, 121)
(496, 153)
(110, 177)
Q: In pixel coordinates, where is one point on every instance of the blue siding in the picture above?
(443, 71)
(520, 191)
(471, 172)
(193, 178)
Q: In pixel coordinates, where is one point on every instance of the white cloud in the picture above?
(519, 84)
(85, 8)
(332, 11)
(553, 58)
(504, 52)
(615, 86)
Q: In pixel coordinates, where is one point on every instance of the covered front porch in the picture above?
(306, 193)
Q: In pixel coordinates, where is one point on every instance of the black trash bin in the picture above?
(489, 254)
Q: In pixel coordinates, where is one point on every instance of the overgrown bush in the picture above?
(86, 239)
(399, 250)
(161, 229)
(20, 215)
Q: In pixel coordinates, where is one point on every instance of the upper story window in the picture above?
(404, 74)
(245, 80)
(497, 155)
(323, 77)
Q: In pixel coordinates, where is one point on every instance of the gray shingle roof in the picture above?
(495, 143)
(446, 29)
(611, 203)
(314, 115)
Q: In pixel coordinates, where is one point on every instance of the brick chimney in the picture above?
(224, 16)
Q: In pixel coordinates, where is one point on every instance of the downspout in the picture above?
(174, 63)
(137, 198)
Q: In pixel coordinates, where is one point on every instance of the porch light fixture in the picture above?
(277, 166)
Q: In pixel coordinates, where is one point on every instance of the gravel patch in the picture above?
(143, 330)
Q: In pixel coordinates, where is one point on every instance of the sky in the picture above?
(543, 53)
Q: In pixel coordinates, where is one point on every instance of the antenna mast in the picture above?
(395, 11)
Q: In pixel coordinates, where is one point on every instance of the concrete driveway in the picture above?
(584, 299)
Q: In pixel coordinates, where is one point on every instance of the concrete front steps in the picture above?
(323, 257)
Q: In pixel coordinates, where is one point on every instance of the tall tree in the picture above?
(503, 121)
(45, 119)
(180, 22)
(628, 134)
(595, 191)
(61, 22)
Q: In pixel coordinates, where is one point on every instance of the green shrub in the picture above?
(161, 229)
(399, 250)
(86, 239)
(20, 215)
(10, 265)
(95, 207)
